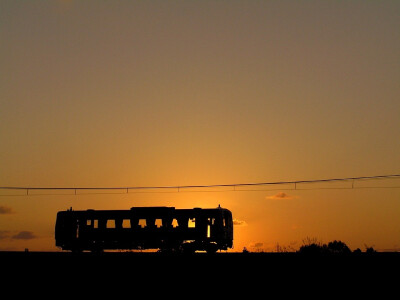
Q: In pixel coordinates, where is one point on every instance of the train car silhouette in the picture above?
(161, 228)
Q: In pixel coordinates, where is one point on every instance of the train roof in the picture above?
(147, 209)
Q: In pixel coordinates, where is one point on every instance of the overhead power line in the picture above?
(178, 188)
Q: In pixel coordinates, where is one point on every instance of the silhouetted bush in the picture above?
(338, 247)
(311, 249)
(311, 246)
(334, 247)
(370, 250)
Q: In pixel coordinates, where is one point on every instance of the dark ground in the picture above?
(223, 274)
(200, 259)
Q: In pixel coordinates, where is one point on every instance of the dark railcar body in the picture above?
(163, 228)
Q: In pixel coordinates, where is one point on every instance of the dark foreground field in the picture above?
(221, 262)
(226, 273)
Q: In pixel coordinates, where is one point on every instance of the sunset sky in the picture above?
(161, 93)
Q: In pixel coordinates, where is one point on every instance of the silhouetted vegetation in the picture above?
(313, 247)
(338, 247)
(370, 250)
(284, 249)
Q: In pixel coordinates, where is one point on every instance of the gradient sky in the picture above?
(153, 93)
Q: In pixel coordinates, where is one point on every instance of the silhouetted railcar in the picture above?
(162, 228)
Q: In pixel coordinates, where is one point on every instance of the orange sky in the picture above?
(160, 93)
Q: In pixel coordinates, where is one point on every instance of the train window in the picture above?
(110, 224)
(126, 223)
(223, 222)
(192, 223)
(158, 223)
(174, 223)
(142, 223)
(95, 223)
(88, 222)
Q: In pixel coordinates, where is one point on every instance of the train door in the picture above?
(212, 228)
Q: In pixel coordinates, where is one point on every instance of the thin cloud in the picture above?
(258, 245)
(280, 196)
(5, 210)
(239, 222)
(4, 234)
(24, 235)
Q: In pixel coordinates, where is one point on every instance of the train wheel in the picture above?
(212, 248)
(96, 247)
(188, 248)
(76, 250)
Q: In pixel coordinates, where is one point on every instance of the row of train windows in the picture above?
(126, 223)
